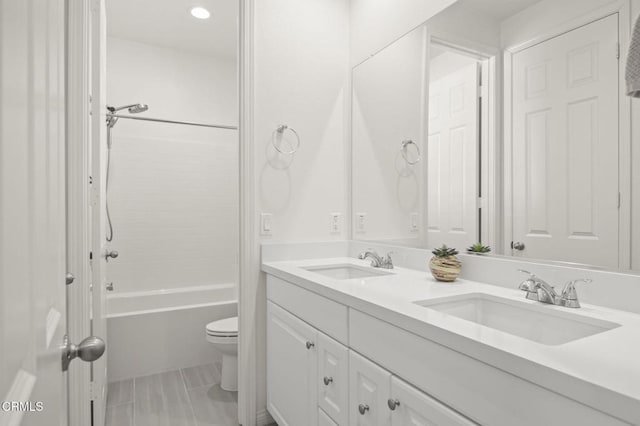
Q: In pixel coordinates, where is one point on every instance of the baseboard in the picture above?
(263, 418)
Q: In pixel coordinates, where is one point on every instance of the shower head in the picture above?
(132, 108)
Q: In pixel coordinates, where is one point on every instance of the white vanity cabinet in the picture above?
(381, 399)
(291, 368)
(333, 378)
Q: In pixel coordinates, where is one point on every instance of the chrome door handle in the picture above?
(363, 408)
(90, 349)
(392, 403)
(112, 254)
(327, 380)
(310, 345)
(69, 278)
(517, 245)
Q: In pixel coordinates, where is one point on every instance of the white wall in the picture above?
(174, 189)
(377, 23)
(301, 55)
(388, 108)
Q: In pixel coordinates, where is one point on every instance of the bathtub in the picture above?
(153, 331)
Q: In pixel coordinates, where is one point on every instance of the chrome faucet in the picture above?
(538, 289)
(376, 261)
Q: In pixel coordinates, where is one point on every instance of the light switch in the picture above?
(361, 223)
(414, 224)
(266, 223)
(335, 226)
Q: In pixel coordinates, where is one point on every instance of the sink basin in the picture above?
(347, 271)
(537, 322)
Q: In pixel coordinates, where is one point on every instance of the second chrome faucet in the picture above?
(538, 289)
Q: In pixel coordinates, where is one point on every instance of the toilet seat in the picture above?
(224, 328)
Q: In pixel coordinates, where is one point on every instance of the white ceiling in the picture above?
(168, 23)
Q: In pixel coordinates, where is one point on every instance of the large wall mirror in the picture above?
(500, 123)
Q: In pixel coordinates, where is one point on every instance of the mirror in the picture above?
(496, 122)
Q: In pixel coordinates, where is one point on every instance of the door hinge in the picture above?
(618, 50)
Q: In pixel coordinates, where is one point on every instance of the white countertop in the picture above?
(601, 371)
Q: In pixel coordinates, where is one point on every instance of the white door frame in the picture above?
(622, 8)
(490, 161)
(78, 215)
(248, 284)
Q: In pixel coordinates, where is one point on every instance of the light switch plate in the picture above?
(266, 224)
(335, 226)
(361, 222)
(414, 223)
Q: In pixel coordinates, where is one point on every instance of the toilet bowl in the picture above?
(223, 334)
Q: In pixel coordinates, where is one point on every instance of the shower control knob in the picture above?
(112, 254)
(89, 350)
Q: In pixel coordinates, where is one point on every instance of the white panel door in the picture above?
(98, 189)
(333, 378)
(565, 146)
(32, 212)
(292, 393)
(369, 390)
(415, 408)
(452, 159)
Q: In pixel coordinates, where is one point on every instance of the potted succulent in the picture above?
(478, 248)
(444, 264)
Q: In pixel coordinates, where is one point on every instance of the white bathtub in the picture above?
(154, 331)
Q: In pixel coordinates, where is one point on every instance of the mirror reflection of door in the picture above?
(453, 149)
(565, 146)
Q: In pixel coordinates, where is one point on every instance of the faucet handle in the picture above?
(387, 261)
(526, 272)
(528, 284)
(570, 295)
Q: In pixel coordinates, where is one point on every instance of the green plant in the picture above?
(444, 251)
(479, 248)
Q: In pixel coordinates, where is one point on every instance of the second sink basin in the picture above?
(346, 271)
(536, 322)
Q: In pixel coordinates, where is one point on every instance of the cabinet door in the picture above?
(292, 393)
(410, 407)
(325, 420)
(369, 391)
(333, 378)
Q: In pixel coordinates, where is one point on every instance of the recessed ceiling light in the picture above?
(200, 13)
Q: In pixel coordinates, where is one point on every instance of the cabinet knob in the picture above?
(363, 408)
(392, 403)
(328, 380)
(310, 345)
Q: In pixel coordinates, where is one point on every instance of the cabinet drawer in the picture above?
(324, 419)
(328, 316)
(333, 378)
(481, 392)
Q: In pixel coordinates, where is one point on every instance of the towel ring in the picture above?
(281, 129)
(403, 150)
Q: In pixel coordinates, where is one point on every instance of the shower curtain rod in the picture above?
(159, 120)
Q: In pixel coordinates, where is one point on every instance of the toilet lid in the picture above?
(223, 327)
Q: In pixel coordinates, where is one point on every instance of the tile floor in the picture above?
(185, 397)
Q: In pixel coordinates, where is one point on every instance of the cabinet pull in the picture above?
(392, 403)
(363, 408)
(310, 345)
(328, 380)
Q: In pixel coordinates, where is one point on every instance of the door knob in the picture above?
(327, 380)
(363, 408)
(90, 349)
(69, 278)
(517, 245)
(310, 345)
(111, 254)
(392, 403)
(109, 286)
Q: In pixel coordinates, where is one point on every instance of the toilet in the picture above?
(223, 334)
